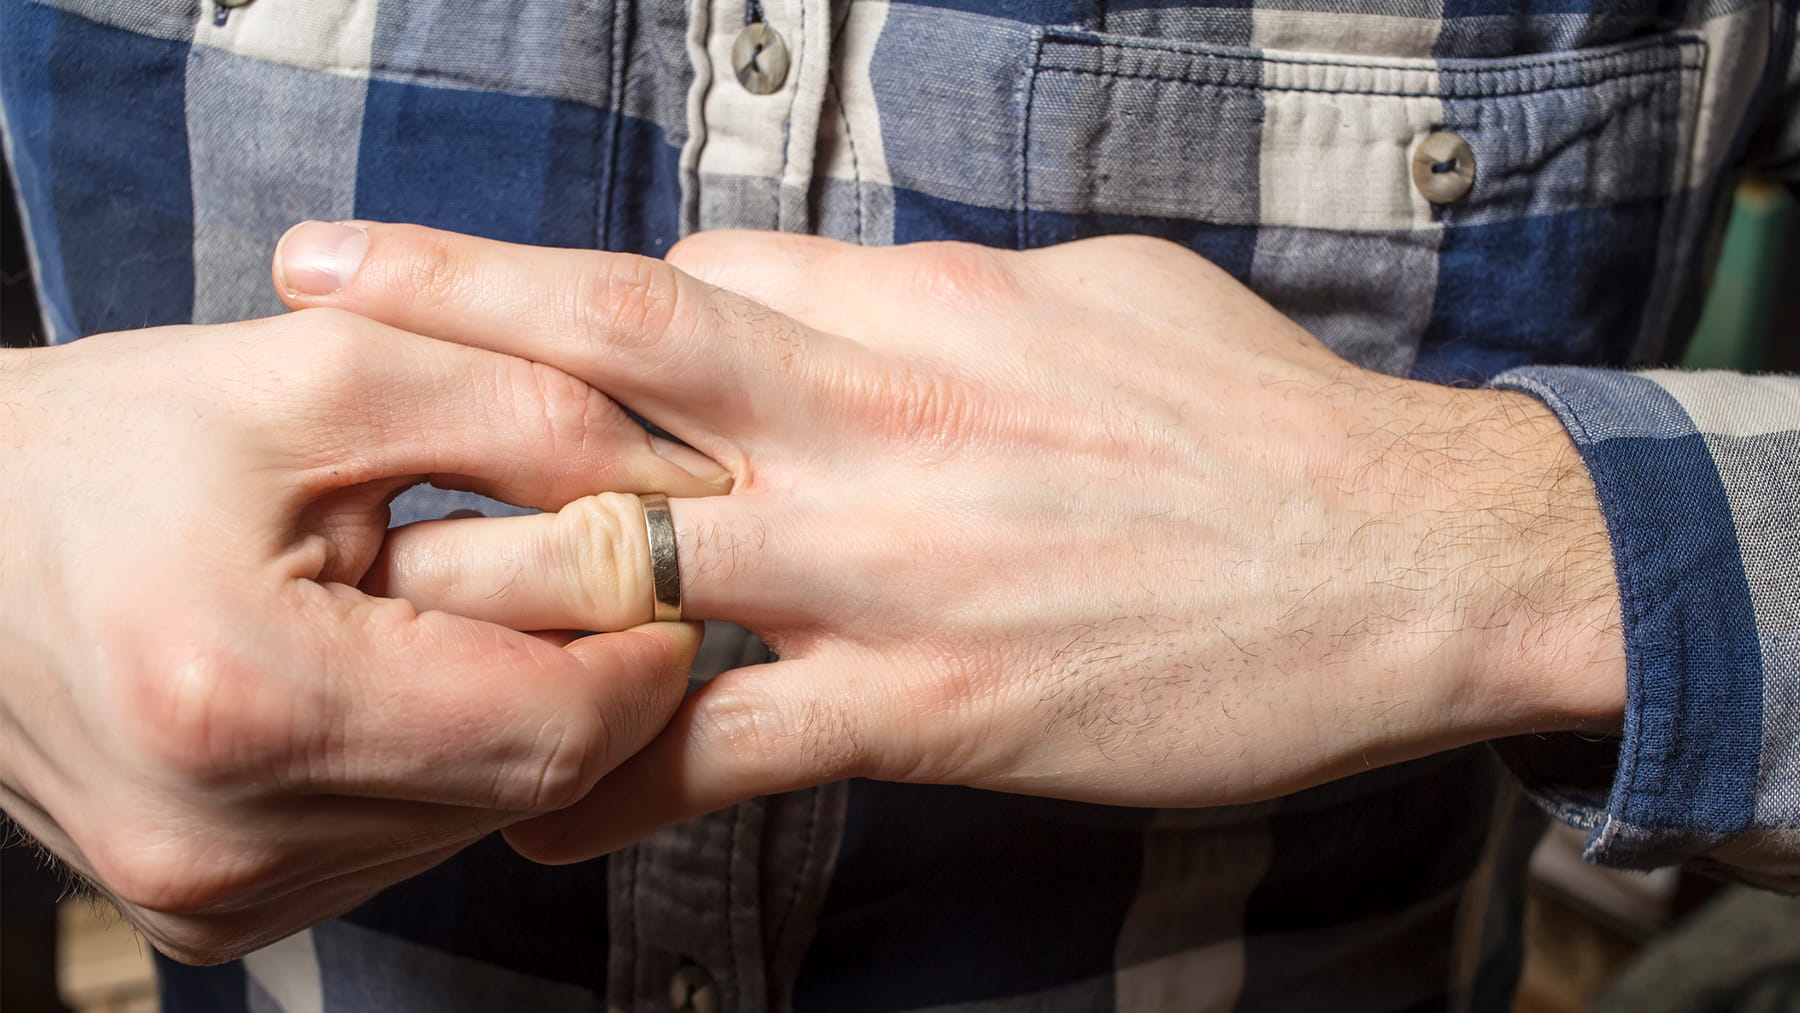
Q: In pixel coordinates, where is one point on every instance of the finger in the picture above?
(425, 706)
(373, 402)
(685, 354)
(586, 566)
(749, 732)
(513, 731)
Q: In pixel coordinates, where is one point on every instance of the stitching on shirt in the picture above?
(608, 233)
(837, 93)
(1266, 88)
(1677, 41)
(787, 140)
(1024, 96)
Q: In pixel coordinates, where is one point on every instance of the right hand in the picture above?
(199, 710)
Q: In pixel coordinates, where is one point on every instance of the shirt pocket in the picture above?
(1295, 172)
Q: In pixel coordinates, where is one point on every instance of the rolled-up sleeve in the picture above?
(1698, 475)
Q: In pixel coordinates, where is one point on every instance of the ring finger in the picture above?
(587, 566)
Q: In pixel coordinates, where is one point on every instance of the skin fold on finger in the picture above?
(435, 707)
(680, 352)
(585, 567)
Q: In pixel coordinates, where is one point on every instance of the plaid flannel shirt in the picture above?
(161, 146)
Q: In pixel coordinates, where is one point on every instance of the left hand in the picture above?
(1091, 521)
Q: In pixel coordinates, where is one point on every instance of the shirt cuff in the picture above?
(1686, 776)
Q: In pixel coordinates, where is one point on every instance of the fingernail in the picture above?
(318, 258)
(691, 461)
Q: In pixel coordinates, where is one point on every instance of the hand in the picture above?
(1091, 521)
(198, 710)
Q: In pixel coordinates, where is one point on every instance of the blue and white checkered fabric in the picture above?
(161, 146)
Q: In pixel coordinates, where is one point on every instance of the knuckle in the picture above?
(957, 273)
(738, 724)
(193, 713)
(631, 300)
(566, 771)
(571, 409)
(821, 742)
(574, 424)
(592, 735)
(574, 416)
(329, 333)
(693, 252)
(430, 270)
(1135, 261)
(331, 353)
(1137, 245)
(723, 256)
(923, 407)
(176, 873)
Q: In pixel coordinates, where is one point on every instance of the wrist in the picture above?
(1535, 594)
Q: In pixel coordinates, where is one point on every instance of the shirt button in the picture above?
(760, 58)
(1443, 167)
(691, 990)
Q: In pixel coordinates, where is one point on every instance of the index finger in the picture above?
(694, 358)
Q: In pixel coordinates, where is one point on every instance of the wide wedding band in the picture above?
(665, 565)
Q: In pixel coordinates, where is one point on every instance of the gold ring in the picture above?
(665, 565)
